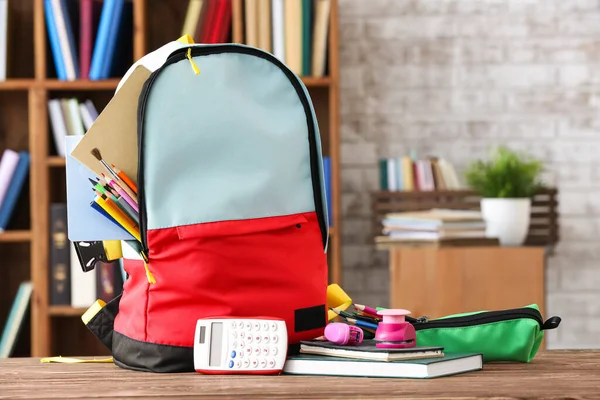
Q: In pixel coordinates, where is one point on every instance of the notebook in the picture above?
(450, 364)
(367, 350)
(85, 223)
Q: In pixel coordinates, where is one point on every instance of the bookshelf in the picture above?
(24, 125)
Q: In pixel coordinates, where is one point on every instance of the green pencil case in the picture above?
(504, 335)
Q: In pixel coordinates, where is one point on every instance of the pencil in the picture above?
(128, 209)
(122, 193)
(114, 211)
(125, 179)
(366, 309)
(361, 324)
(100, 210)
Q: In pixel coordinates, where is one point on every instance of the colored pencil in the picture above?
(362, 324)
(125, 179)
(111, 208)
(128, 209)
(100, 210)
(366, 309)
(122, 193)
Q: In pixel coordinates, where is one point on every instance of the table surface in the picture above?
(552, 374)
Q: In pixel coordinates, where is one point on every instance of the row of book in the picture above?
(69, 285)
(411, 174)
(14, 169)
(294, 31)
(69, 116)
(90, 39)
(208, 21)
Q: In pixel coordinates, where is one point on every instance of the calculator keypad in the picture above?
(253, 345)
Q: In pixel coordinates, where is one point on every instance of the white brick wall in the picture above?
(454, 77)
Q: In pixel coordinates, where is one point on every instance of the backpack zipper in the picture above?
(487, 317)
(180, 55)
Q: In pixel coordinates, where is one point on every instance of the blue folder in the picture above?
(85, 223)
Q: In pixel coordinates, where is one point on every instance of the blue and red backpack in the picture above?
(233, 216)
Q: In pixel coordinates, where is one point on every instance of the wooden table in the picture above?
(552, 374)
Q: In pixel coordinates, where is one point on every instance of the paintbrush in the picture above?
(96, 153)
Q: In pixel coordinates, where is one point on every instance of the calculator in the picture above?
(240, 345)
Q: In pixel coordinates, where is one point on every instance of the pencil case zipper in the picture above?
(180, 55)
(485, 317)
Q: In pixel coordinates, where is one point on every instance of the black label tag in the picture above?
(306, 319)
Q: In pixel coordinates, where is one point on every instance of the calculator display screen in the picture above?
(216, 337)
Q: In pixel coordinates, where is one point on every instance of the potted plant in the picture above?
(506, 184)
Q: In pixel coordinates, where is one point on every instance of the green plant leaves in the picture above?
(507, 175)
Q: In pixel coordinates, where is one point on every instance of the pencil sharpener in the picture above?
(393, 332)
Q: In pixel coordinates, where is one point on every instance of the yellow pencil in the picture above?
(114, 211)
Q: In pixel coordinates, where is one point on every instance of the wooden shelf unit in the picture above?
(155, 23)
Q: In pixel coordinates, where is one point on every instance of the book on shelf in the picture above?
(88, 39)
(14, 169)
(412, 174)
(15, 320)
(69, 117)
(294, 31)
(69, 284)
(3, 39)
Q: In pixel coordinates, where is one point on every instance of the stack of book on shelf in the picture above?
(3, 39)
(208, 21)
(321, 357)
(90, 39)
(69, 284)
(69, 117)
(412, 174)
(14, 168)
(437, 226)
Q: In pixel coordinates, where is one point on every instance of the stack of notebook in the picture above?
(366, 360)
(434, 226)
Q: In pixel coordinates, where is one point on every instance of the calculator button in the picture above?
(233, 324)
(248, 350)
(273, 351)
(238, 364)
(242, 344)
(234, 334)
(266, 339)
(246, 363)
(256, 326)
(248, 326)
(263, 363)
(274, 338)
(256, 351)
(240, 354)
(249, 339)
(265, 351)
(242, 334)
(271, 363)
(233, 354)
(240, 324)
(273, 326)
(257, 338)
(234, 344)
(265, 326)
(230, 363)
(254, 363)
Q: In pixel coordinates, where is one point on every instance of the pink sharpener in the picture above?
(393, 332)
(340, 333)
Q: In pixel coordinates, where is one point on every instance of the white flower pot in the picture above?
(507, 219)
